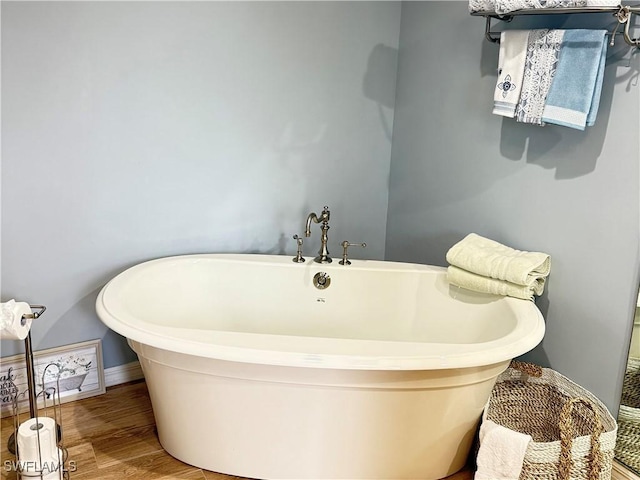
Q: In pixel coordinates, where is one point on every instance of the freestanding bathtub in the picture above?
(254, 371)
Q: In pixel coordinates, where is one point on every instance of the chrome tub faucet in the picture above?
(345, 245)
(298, 258)
(323, 219)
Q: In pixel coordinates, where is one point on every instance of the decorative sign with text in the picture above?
(72, 372)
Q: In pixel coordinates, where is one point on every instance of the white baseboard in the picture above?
(122, 374)
(620, 472)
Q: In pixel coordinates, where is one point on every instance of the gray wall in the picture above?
(456, 168)
(138, 130)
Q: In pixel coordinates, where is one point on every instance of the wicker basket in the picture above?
(573, 433)
(627, 450)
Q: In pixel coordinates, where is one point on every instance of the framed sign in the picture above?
(73, 371)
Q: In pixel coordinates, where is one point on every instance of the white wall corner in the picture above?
(122, 374)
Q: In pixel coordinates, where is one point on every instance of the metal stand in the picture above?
(33, 413)
(31, 378)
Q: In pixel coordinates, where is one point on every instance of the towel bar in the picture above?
(622, 13)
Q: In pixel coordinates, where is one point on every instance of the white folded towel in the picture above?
(472, 281)
(511, 60)
(603, 3)
(488, 258)
(503, 7)
(482, 6)
(501, 452)
(506, 6)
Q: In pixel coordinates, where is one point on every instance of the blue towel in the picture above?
(574, 94)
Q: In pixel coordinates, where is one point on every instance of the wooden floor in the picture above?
(113, 437)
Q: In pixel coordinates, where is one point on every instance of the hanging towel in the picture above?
(513, 52)
(489, 258)
(507, 6)
(482, 6)
(478, 283)
(502, 7)
(595, 100)
(565, 3)
(574, 96)
(603, 3)
(540, 65)
(501, 453)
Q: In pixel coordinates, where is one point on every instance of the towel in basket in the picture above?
(573, 434)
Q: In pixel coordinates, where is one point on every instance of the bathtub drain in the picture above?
(321, 280)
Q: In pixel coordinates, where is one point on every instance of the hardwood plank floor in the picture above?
(113, 437)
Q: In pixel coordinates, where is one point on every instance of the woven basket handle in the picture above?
(529, 368)
(567, 435)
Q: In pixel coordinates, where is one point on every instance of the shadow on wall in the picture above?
(378, 85)
(80, 323)
(550, 145)
(278, 249)
(539, 355)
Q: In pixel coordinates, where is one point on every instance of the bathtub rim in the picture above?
(286, 350)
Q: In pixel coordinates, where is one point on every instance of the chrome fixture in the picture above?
(623, 14)
(345, 246)
(321, 280)
(323, 253)
(298, 258)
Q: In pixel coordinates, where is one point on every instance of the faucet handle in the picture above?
(345, 247)
(298, 258)
(326, 214)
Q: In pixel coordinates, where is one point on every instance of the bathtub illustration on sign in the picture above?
(379, 371)
(63, 375)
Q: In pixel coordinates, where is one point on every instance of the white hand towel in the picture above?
(482, 6)
(501, 452)
(511, 61)
(603, 3)
(489, 258)
(471, 281)
(507, 6)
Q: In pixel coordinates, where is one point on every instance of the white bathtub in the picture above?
(253, 371)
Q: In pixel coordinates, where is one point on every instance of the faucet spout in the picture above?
(311, 218)
(323, 218)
